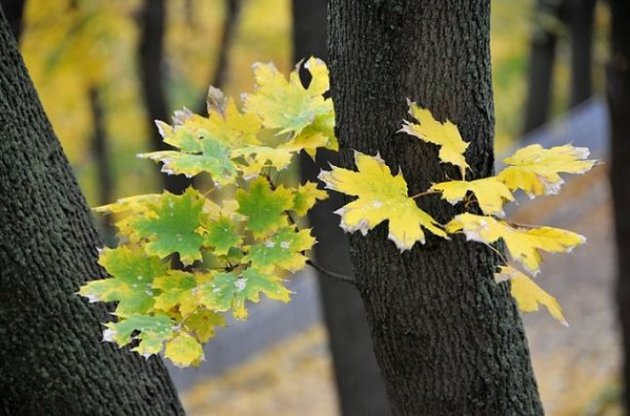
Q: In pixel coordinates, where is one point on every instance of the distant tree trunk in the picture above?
(540, 73)
(359, 384)
(14, 12)
(100, 153)
(618, 91)
(152, 76)
(580, 16)
(448, 339)
(220, 76)
(53, 359)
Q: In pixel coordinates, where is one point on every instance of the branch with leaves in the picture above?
(184, 261)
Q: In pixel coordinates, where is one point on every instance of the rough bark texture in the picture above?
(540, 72)
(580, 15)
(448, 339)
(618, 90)
(52, 360)
(152, 34)
(360, 388)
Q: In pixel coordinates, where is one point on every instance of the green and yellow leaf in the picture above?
(184, 350)
(490, 193)
(305, 197)
(221, 235)
(381, 196)
(444, 134)
(150, 331)
(229, 291)
(283, 250)
(522, 243)
(264, 208)
(536, 170)
(133, 273)
(203, 323)
(172, 226)
(528, 295)
(175, 289)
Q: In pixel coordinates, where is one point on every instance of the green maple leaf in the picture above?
(153, 331)
(230, 291)
(222, 235)
(131, 285)
(172, 225)
(213, 156)
(265, 208)
(175, 289)
(282, 250)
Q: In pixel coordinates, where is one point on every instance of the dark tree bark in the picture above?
(52, 358)
(14, 13)
(618, 91)
(540, 72)
(360, 388)
(580, 16)
(448, 339)
(152, 22)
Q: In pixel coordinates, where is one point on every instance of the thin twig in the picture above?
(424, 193)
(328, 273)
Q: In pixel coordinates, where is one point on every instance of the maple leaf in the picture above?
(172, 226)
(184, 350)
(381, 197)
(258, 157)
(133, 273)
(175, 290)
(490, 193)
(151, 332)
(222, 235)
(291, 108)
(305, 196)
(213, 156)
(264, 208)
(126, 210)
(230, 291)
(528, 294)
(535, 169)
(283, 249)
(522, 243)
(203, 323)
(444, 134)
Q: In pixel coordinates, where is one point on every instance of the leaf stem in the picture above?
(418, 195)
(329, 273)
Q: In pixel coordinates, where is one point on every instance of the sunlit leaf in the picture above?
(264, 208)
(184, 350)
(283, 249)
(490, 193)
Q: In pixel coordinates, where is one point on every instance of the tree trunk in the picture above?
(53, 359)
(360, 388)
(448, 339)
(618, 90)
(540, 72)
(14, 13)
(580, 15)
(152, 76)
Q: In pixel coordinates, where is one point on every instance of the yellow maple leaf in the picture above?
(381, 196)
(444, 134)
(535, 169)
(528, 295)
(522, 243)
(184, 350)
(490, 193)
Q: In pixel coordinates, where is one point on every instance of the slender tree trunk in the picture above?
(52, 358)
(580, 15)
(540, 72)
(618, 90)
(100, 153)
(152, 76)
(14, 13)
(448, 339)
(218, 80)
(360, 388)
